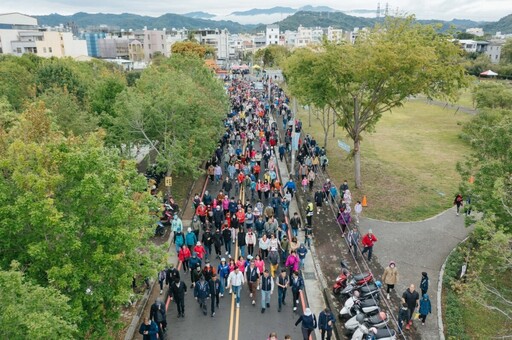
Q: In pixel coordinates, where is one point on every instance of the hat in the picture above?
(194, 254)
(249, 257)
(189, 230)
(307, 312)
(223, 259)
(198, 243)
(207, 262)
(171, 265)
(370, 231)
(202, 203)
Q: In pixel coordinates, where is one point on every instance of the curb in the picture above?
(403, 222)
(440, 293)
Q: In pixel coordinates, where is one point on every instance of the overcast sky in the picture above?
(424, 9)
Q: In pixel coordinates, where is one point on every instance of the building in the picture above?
(135, 51)
(17, 21)
(217, 39)
(479, 32)
(473, 46)
(19, 34)
(335, 35)
(114, 48)
(304, 36)
(92, 42)
(494, 50)
(272, 35)
(154, 42)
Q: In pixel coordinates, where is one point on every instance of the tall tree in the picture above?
(176, 108)
(76, 218)
(31, 311)
(387, 64)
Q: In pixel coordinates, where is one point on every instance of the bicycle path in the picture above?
(417, 247)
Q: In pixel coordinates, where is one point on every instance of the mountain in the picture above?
(199, 15)
(268, 11)
(134, 21)
(457, 24)
(310, 8)
(504, 25)
(324, 19)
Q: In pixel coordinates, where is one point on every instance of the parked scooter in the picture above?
(165, 220)
(378, 334)
(379, 320)
(367, 291)
(367, 307)
(355, 280)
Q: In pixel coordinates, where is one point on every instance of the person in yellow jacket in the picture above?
(390, 277)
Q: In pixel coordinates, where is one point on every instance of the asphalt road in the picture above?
(246, 322)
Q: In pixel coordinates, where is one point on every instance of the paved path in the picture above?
(417, 247)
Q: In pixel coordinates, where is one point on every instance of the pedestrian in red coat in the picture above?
(368, 241)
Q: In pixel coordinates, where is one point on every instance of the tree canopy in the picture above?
(387, 64)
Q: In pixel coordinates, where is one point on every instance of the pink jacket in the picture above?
(293, 261)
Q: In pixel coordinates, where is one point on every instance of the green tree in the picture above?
(103, 98)
(493, 95)
(76, 217)
(398, 59)
(16, 83)
(272, 55)
(67, 113)
(177, 108)
(56, 73)
(490, 136)
(506, 52)
(8, 116)
(32, 311)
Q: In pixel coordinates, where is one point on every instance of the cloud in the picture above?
(424, 9)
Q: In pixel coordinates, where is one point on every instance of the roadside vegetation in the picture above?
(75, 225)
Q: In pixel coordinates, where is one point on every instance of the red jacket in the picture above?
(200, 251)
(369, 241)
(184, 254)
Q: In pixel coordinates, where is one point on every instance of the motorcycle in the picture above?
(379, 320)
(356, 280)
(378, 334)
(165, 220)
(366, 292)
(367, 307)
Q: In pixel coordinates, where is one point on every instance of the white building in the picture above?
(155, 41)
(334, 35)
(272, 35)
(19, 34)
(494, 50)
(479, 32)
(290, 38)
(218, 40)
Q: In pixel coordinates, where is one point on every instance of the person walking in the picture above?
(403, 317)
(158, 315)
(215, 287)
(411, 297)
(309, 213)
(368, 242)
(282, 283)
(319, 198)
(358, 209)
(302, 252)
(252, 274)
(297, 285)
(177, 291)
(250, 240)
(390, 277)
(424, 283)
(326, 322)
(273, 258)
(353, 239)
(425, 308)
(201, 293)
(149, 330)
(235, 282)
(161, 279)
(308, 320)
(458, 201)
(295, 224)
(266, 288)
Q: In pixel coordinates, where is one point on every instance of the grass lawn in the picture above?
(407, 165)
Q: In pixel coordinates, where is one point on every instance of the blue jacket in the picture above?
(152, 331)
(425, 307)
(201, 289)
(223, 270)
(290, 185)
(298, 285)
(190, 239)
(193, 262)
(302, 251)
(324, 318)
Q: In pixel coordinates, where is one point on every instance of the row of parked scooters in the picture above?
(360, 296)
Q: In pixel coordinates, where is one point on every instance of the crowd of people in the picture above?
(244, 226)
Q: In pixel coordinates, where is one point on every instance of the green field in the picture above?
(408, 164)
